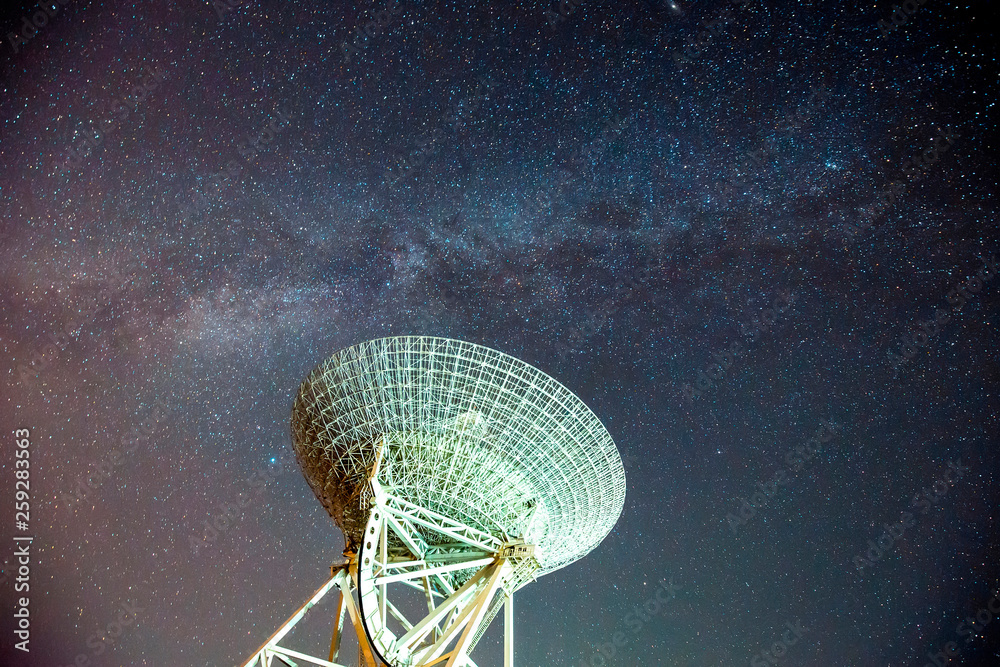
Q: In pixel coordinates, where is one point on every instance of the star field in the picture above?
(723, 224)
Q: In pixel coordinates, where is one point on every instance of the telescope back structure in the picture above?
(458, 474)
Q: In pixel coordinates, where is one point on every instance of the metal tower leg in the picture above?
(270, 649)
(365, 656)
(409, 548)
(508, 630)
(338, 628)
(480, 605)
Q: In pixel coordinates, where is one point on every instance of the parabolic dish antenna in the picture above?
(458, 474)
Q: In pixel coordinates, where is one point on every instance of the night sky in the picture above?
(758, 238)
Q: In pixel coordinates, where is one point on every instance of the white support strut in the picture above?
(458, 475)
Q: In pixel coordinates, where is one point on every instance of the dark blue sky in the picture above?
(721, 224)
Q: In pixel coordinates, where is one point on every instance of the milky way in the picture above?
(758, 239)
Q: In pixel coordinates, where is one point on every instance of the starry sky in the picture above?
(758, 238)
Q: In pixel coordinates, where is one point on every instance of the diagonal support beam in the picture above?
(272, 641)
(479, 611)
(410, 537)
(338, 627)
(282, 652)
(365, 651)
(508, 630)
(438, 522)
(429, 622)
(441, 569)
(473, 610)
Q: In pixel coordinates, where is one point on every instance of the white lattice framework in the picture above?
(469, 432)
(458, 475)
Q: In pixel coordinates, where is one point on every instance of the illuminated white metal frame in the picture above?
(400, 548)
(454, 470)
(470, 432)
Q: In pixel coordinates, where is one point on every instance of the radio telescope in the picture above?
(458, 475)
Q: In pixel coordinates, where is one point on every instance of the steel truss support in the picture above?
(508, 630)
(463, 574)
(273, 655)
